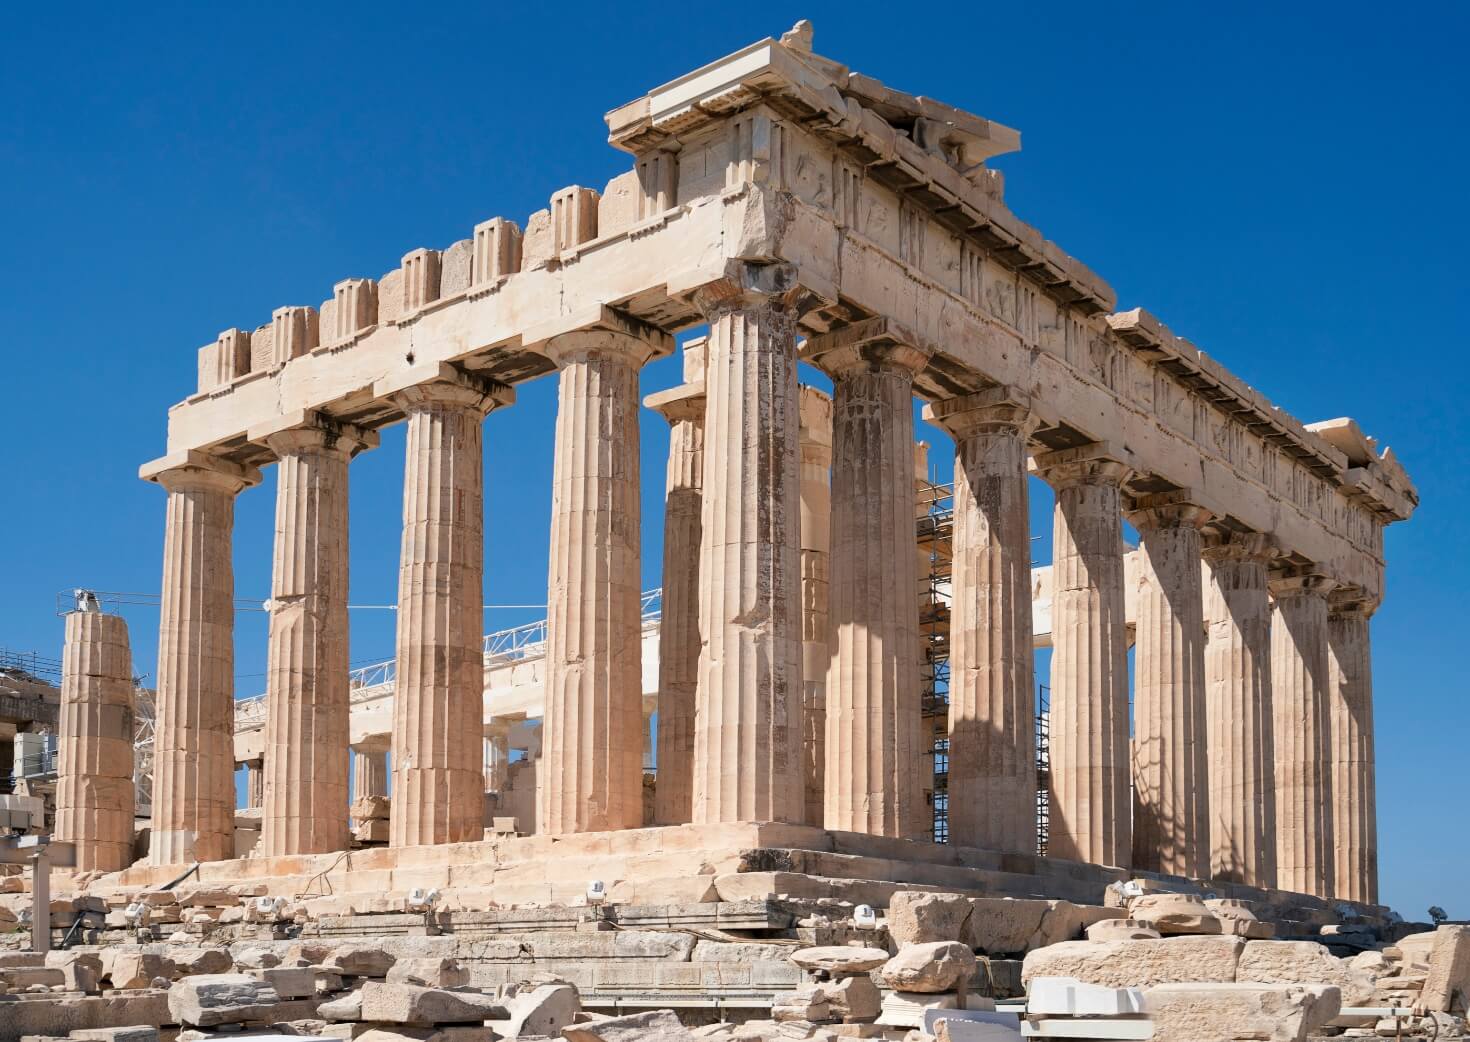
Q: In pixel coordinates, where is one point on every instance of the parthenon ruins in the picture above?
(778, 210)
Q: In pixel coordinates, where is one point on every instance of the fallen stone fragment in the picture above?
(190, 961)
(806, 1004)
(929, 968)
(918, 917)
(410, 1004)
(1205, 1012)
(1069, 997)
(1121, 930)
(211, 999)
(1239, 918)
(359, 960)
(144, 1033)
(1447, 985)
(19, 978)
(1123, 964)
(256, 958)
(289, 982)
(837, 959)
(1302, 962)
(129, 971)
(346, 1008)
(852, 999)
(658, 1025)
(429, 973)
(447, 1033)
(1174, 914)
(543, 1010)
(81, 971)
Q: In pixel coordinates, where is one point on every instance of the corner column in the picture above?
(1242, 795)
(1304, 834)
(874, 779)
(748, 731)
(94, 777)
(814, 438)
(438, 719)
(194, 756)
(306, 729)
(592, 748)
(1171, 819)
(1091, 805)
(678, 633)
(1352, 758)
(992, 698)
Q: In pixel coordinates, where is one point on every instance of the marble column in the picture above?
(306, 728)
(678, 633)
(1351, 756)
(748, 717)
(1171, 817)
(593, 748)
(1091, 805)
(255, 784)
(1238, 708)
(1299, 663)
(992, 696)
(194, 757)
(875, 740)
(815, 447)
(369, 770)
(94, 775)
(438, 777)
(497, 759)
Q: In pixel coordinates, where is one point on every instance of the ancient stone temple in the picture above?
(778, 210)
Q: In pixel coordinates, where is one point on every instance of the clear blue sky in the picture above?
(1283, 184)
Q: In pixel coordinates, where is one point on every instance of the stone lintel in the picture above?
(496, 395)
(1220, 543)
(175, 464)
(1002, 406)
(870, 344)
(678, 404)
(1291, 580)
(313, 425)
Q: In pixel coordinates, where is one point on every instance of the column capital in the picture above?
(1351, 602)
(747, 284)
(609, 334)
(1175, 509)
(440, 383)
(995, 410)
(872, 345)
(1225, 544)
(681, 404)
(306, 429)
(1296, 581)
(195, 471)
(1096, 463)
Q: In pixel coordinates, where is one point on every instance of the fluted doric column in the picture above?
(875, 742)
(94, 774)
(369, 770)
(1304, 836)
(438, 714)
(678, 633)
(592, 748)
(306, 728)
(815, 447)
(1171, 818)
(1351, 755)
(747, 741)
(255, 784)
(992, 697)
(1091, 809)
(1238, 708)
(194, 757)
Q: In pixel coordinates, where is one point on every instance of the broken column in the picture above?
(992, 700)
(94, 773)
(1238, 708)
(1171, 820)
(1304, 837)
(1090, 809)
(306, 730)
(678, 634)
(747, 742)
(1351, 757)
(875, 785)
(194, 757)
(815, 446)
(592, 746)
(438, 779)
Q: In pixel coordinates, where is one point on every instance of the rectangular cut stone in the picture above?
(497, 251)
